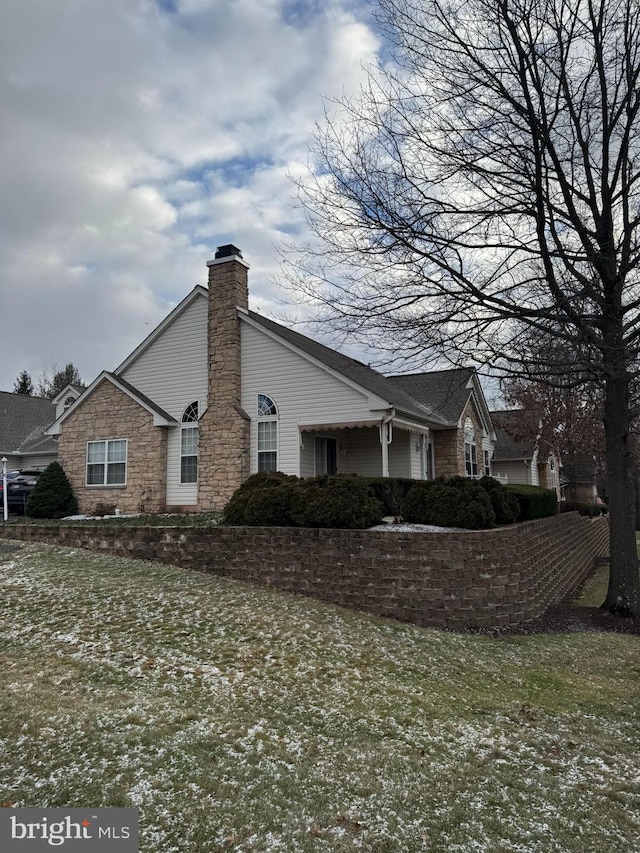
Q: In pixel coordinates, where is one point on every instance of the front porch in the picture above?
(387, 448)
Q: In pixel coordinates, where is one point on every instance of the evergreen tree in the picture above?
(23, 384)
(52, 496)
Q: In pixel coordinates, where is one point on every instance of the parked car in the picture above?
(19, 486)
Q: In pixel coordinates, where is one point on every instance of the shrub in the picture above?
(249, 504)
(505, 503)
(534, 501)
(337, 501)
(391, 492)
(583, 507)
(454, 502)
(278, 500)
(52, 496)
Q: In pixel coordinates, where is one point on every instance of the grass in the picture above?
(239, 719)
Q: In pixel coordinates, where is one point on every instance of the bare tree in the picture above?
(482, 193)
(51, 381)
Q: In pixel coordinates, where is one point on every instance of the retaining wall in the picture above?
(452, 580)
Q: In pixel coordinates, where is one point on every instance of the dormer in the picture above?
(66, 397)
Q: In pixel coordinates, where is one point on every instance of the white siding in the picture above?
(416, 455)
(303, 393)
(36, 461)
(15, 463)
(516, 472)
(535, 474)
(173, 370)
(173, 373)
(400, 452)
(178, 494)
(364, 452)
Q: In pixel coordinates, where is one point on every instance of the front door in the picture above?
(326, 451)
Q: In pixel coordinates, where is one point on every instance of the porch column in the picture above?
(386, 437)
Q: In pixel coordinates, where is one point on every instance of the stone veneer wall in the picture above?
(448, 446)
(473, 579)
(146, 451)
(224, 430)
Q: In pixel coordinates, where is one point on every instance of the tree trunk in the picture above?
(623, 595)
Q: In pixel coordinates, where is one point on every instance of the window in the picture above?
(267, 434)
(189, 432)
(487, 463)
(107, 462)
(470, 451)
(326, 455)
(68, 402)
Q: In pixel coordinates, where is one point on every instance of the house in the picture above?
(217, 392)
(23, 422)
(579, 479)
(521, 459)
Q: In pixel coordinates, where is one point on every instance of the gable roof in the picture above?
(447, 391)
(356, 371)
(506, 424)
(64, 393)
(23, 421)
(160, 417)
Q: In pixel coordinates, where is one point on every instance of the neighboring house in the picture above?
(23, 421)
(522, 460)
(217, 392)
(579, 479)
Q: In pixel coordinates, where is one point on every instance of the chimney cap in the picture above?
(228, 251)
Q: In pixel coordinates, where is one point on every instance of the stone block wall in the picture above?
(111, 414)
(471, 579)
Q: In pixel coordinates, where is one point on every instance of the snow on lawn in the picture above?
(248, 720)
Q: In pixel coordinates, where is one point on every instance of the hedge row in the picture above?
(349, 501)
(279, 500)
(584, 508)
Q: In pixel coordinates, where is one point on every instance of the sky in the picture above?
(136, 136)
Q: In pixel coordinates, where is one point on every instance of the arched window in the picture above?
(68, 402)
(470, 451)
(189, 444)
(267, 434)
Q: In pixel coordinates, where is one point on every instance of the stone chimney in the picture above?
(224, 428)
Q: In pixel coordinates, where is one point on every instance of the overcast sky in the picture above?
(138, 135)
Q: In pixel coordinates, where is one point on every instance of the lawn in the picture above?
(241, 719)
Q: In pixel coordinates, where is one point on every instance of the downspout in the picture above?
(386, 437)
(424, 450)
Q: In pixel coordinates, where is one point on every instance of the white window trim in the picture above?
(105, 485)
(470, 443)
(262, 419)
(190, 425)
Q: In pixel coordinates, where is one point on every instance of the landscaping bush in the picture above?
(583, 507)
(534, 501)
(337, 501)
(250, 503)
(454, 502)
(505, 503)
(52, 496)
(278, 500)
(391, 492)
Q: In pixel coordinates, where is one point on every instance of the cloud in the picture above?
(137, 136)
